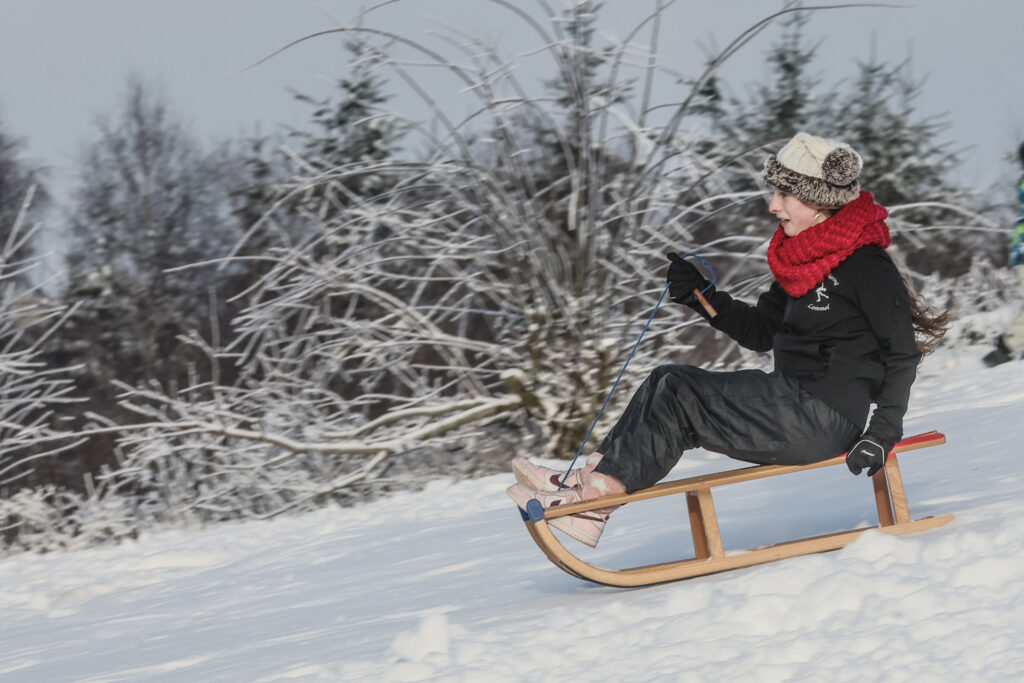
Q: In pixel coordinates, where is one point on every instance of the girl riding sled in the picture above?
(841, 323)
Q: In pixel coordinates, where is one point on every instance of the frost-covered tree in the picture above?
(789, 102)
(907, 163)
(352, 129)
(17, 177)
(743, 128)
(355, 125)
(582, 87)
(149, 201)
(481, 304)
(878, 114)
(30, 390)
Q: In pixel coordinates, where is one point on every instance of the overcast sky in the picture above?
(66, 61)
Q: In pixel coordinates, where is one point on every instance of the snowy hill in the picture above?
(445, 584)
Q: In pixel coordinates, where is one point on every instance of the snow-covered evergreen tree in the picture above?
(907, 164)
(905, 158)
(788, 103)
(354, 125)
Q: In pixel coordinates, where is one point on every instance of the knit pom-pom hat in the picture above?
(817, 171)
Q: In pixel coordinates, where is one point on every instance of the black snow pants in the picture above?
(748, 415)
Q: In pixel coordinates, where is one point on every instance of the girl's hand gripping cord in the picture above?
(687, 285)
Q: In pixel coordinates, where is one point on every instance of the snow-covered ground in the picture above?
(445, 584)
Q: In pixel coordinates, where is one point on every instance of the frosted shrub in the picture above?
(47, 519)
(29, 390)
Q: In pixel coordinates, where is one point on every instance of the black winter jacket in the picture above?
(850, 341)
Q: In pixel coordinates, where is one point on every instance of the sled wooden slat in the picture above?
(709, 522)
(700, 538)
(710, 555)
(751, 473)
(883, 500)
(900, 507)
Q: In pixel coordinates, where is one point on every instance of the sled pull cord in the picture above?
(711, 312)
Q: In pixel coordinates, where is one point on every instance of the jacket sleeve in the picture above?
(885, 303)
(753, 327)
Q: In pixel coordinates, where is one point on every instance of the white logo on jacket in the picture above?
(820, 302)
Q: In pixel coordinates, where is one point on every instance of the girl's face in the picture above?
(793, 214)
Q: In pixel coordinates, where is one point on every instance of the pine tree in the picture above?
(904, 159)
(789, 103)
(579, 89)
(353, 128)
(905, 162)
(351, 136)
(745, 129)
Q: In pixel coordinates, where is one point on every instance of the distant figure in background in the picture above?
(1010, 344)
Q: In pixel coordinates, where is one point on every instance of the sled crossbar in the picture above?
(890, 501)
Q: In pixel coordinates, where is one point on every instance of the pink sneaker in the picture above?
(585, 527)
(541, 478)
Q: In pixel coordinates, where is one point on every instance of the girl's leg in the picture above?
(748, 415)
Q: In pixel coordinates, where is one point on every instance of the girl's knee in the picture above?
(674, 378)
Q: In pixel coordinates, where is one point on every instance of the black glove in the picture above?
(870, 452)
(684, 278)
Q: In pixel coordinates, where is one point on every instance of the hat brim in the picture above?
(809, 190)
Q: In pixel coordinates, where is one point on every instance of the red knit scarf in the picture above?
(800, 263)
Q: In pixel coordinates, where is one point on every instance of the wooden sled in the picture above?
(890, 499)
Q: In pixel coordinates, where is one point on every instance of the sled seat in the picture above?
(889, 496)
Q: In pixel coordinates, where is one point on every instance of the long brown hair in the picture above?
(930, 325)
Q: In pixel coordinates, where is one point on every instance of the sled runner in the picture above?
(890, 500)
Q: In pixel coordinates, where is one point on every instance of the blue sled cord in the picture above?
(534, 510)
(714, 279)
